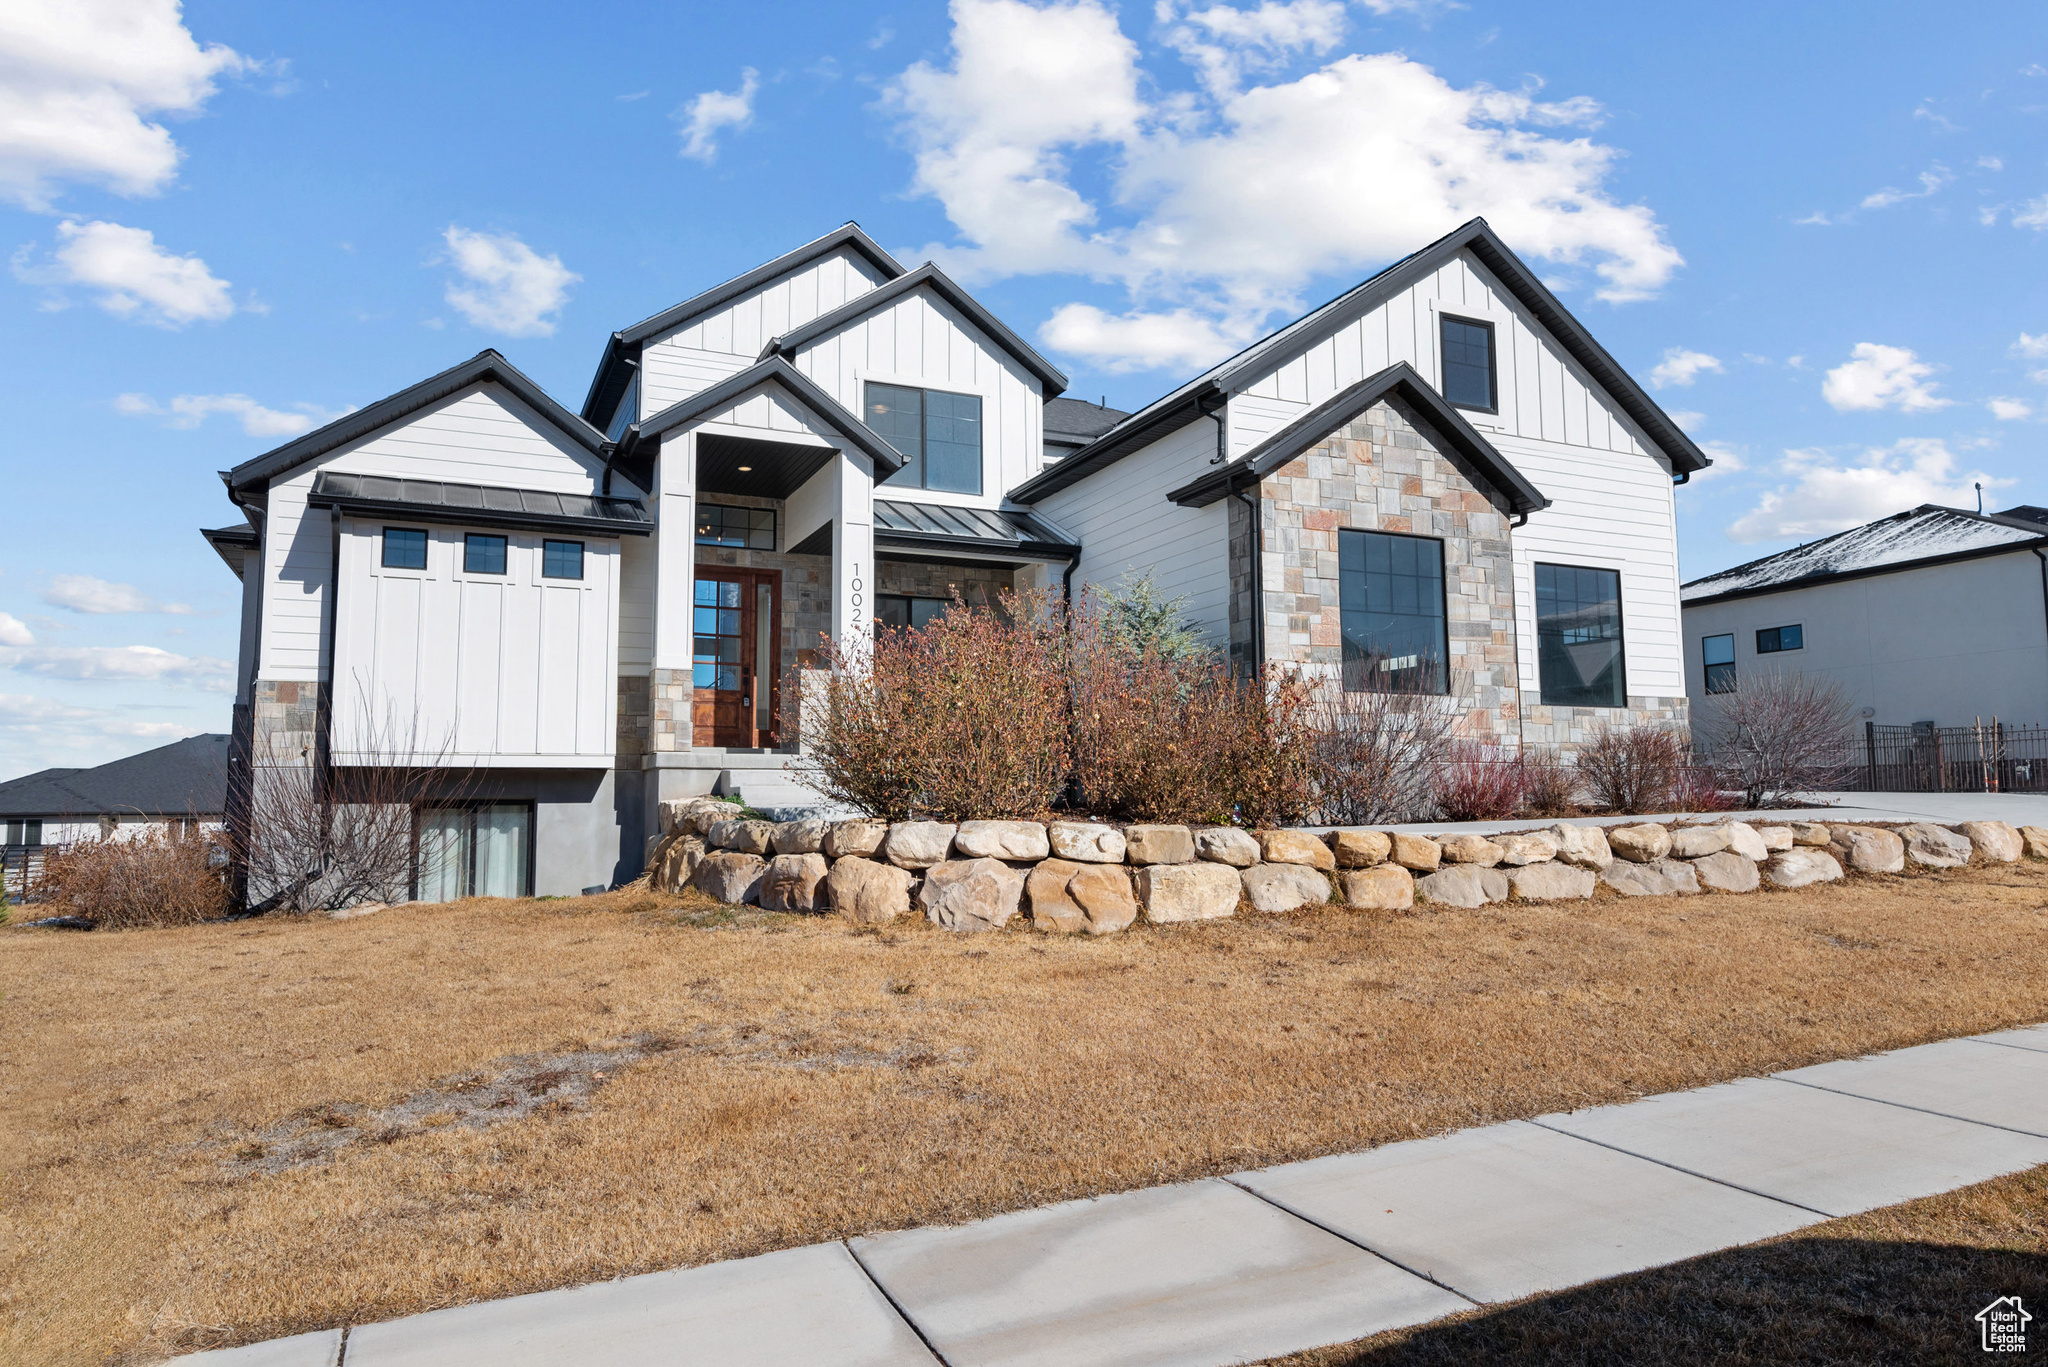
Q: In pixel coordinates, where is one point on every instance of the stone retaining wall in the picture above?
(1098, 878)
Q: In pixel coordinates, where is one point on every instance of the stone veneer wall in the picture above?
(1382, 472)
(1565, 729)
(979, 585)
(286, 733)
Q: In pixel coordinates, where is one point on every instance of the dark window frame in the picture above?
(924, 418)
(1620, 635)
(425, 544)
(909, 600)
(476, 804)
(29, 828)
(1492, 404)
(1718, 676)
(547, 547)
(470, 541)
(1775, 636)
(745, 543)
(1442, 681)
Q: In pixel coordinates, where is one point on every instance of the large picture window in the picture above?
(479, 850)
(1717, 657)
(938, 435)
(1578, 637)
(1468, 364)
(1391, 591)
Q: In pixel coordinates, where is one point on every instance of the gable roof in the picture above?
(1927, 535)
(622, 349)
(789, 343)
(1187, 403)
(774, 370)
(1472, 453)
(485, 366)
(186, 778)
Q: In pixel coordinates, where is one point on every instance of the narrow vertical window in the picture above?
(1391, 596)
(1578, 637)
(1717, 654)
(405, 548)
(561, 560)
(483, 554)
(1468, 364)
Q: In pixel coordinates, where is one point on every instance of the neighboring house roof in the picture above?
(485, 366)
(1926, 535)
(622, 349)
(425, 500)
(798, 385)
(187, 778)
(1474, 455)
(1076, 422)
(229, 542)
(1197, 397)
(931, 527)
(927, 276)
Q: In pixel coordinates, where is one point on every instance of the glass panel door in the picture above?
(501, 841)
(474, 851)
(444, 854)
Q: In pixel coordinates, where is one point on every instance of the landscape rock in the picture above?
(1994, 841)
(1935, 847)
(1810, 833)
(1417, 853)
(1001, 840)
(1640, 844)
(675, 861)
(1383, 887)
(1799, 866)
(1696, 842)
(1658, 878)
(731, 877)
(2036, 840)
(1086, 842)
(1069, 896)
(1295, 847)
(971, 894)
(792, 882)
(1226, 845)
(801, 837)
(700, 814)
(1585, 846)
(918, 844)
(1159, 844)
(1188, 892)
(1869, 849)
(1469, 849)
(855, 838)
(1360, 849)
(1745, 840)
(1526, 847)
(868, 892)
(1284, 886)
(1726, 871)
(1776, 838)
(742, 837)
(1551, 881)
(1463, 885)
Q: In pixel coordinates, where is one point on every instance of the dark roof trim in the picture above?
(1808, 581)
(1836, 576)
(484, 367)
(845, 235)
(229, 543)
(471, 505)
(801, 387)
(1480, 461)
(1141, 429)
(928, 528)
(1049, 376)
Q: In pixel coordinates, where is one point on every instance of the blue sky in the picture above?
(1819, 229)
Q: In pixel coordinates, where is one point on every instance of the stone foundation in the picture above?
(1565, 729)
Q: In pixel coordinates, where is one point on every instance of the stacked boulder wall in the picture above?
(1294, 847)
(1994, 841)
(2036, 839)
(742, 837)
(730, 876)
(1226, 845)
(1526, 847)
(1463, 885)
(800, 837)
(1726, 871)
(1069, 896)
(1284, 887)
(792, 882)
(858, 838)
(1470, 849)
(1657, 878)
(1584, 846)
(1416, 853)
(918, 844)
(1640, 844)
(1086, 842)
(1696, 842)
(1550, 881)
(1776, 839)
(1383, 887)
(1010, 840)
(1360, 849)
(1800, 866)
(1188, 892)
(1868, 849)
(675, 861)
(1159, 844)
(971, 894)
(1811, 833)
(1935, 847)
(1745, 840)
(867, 891)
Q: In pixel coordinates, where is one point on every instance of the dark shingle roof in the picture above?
(1928, 534)
(186, 778)
(1079, 419)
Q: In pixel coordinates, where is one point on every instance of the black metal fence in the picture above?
(1987, 757)
(20, 867)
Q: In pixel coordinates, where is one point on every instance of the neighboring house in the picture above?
(182, 785)
(1456, 488)
(1934, 615)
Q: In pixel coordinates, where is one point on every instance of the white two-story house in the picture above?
(1452, 486)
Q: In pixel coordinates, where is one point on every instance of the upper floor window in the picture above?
(1771, 640)
(1469, 380)
(405, 548)
(1578, 637)
(938, 435)
(483, 554)
(748, 528)
(561, 559)
(1717, 655)
(1391, 596)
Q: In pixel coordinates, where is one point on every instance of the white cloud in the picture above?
(1931, 182)
(1139, 341)
(714, 111)
(1229, 202)
(119, 662)
(83, 593)
(1989, 163)
(2010, 410)
(134, 277)
(510, 288)
(2034, 348)
(2033, 214)
(1686, 418)
(1816, 219)
(80, 79)
(1727, 461)
(14, 632)
(187, 411)
(1682, 367)
(1824, 495)
(1878, 376)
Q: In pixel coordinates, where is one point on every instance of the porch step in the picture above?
(775, 791)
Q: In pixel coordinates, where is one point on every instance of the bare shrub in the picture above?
(1632, 769)
(156, 877)
(1380, 756)
(1481, 783)
(1778, 735)
(1554, 788)
(1698, 789)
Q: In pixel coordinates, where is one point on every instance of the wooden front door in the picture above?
(738, 661)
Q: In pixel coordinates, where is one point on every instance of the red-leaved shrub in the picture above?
(1481, 783)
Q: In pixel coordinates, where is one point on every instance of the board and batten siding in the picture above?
(489, 670)
(483, 435)
(1126, 526)
(729, 338)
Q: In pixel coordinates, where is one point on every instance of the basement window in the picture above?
(1771, 640)
(481, 849)
(1717, 654)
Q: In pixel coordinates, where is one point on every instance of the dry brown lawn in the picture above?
(222, 1133)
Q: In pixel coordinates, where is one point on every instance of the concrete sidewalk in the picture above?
(1943, 809)
(1260, 1264)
